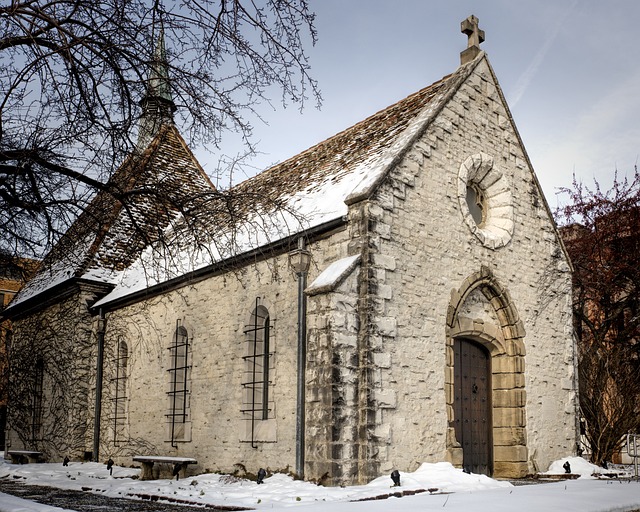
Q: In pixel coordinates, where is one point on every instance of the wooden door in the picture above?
(472, 405)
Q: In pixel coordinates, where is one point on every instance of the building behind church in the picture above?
(427, 328)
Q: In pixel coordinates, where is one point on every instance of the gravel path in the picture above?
(88, 501)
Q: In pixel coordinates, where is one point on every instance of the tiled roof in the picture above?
(336, 157)
(108, 242)
(156, 187)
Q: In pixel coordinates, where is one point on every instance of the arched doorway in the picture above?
(472, 405)
(482, 314)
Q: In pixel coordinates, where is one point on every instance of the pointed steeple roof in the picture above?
(159, 185)
(157, 104)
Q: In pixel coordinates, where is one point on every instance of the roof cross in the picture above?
(470, 28)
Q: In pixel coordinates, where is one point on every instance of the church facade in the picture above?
(433, 322)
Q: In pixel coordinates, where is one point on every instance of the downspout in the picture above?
(98, 408)
(302, 360)
(299, 260)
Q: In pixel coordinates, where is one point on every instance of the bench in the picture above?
(179, 469)
(20, 456)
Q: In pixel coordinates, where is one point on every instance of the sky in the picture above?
(568, 68)
(448, 488)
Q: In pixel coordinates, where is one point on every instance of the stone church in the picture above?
(394, 295)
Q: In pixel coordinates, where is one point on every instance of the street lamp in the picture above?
(299, 260)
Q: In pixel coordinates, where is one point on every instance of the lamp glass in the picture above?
(300, 259)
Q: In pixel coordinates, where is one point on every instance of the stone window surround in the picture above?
(119, 382)
(497, 227)
(257, 428)
(506, 347)
(179, 415)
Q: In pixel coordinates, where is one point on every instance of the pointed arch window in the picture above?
(258, 404)
(178, 414)
(120, 390)
(36, 411)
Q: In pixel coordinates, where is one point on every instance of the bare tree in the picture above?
(602, 235)
(72, 74)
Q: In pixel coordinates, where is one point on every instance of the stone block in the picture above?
(386, 326)
(386, 399)
(567, 384)
(384, 261)
(375, 211)
(385, 199)
(509, 436)
(383, 432)
(508, 381)
(449, 355)
(385, 291)
(342, 339)
(509, 469)
(507, 364)
(455, 456)
(509, 417)
(384, 230)
(382, 360)
(509, 398)
(510, 453)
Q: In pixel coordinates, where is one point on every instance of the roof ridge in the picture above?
(354, 127)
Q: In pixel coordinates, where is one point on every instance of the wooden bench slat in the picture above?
(17, 456)
(159, 459)
(180, 464)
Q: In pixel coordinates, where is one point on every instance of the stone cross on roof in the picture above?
(476, 36)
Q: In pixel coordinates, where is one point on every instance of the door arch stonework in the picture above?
(481, 310)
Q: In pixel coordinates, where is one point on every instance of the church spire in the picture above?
(157, 104)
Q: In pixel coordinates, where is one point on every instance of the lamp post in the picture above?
(102, 322)
(299, 260)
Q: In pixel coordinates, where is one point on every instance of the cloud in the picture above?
(526, 77)
(603, 136)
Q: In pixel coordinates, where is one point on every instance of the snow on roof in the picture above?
(109, 235)
(333, 275)
(302, 192)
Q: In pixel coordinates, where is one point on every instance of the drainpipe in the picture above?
(299, 259)
(98, 408)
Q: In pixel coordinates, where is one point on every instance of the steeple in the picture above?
(157, 104)
(470, 28)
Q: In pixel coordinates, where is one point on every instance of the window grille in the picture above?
(36, 418)
(256, 379)
(120, 392)
(178, 387)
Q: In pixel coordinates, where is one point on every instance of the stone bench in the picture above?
(20, 456)
(180, 465)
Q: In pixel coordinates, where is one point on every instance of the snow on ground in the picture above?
(446, 487)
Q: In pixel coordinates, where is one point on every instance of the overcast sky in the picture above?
(568, 68)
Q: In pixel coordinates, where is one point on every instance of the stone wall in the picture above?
(422, 248)
(215, 313)
(53, 367)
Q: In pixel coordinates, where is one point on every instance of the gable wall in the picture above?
(62, 336)
(215, 312)
(423, 250)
